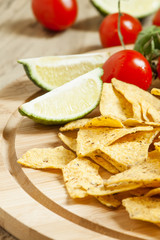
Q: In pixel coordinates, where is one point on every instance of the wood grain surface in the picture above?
(22, 37)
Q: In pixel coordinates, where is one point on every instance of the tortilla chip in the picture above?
(154, 124)
(131, 122)
(102, 121)
(150, 113)
(129, 150)
(152, 192)
(99, 121)
(96, 157)
(109, 201)
(90, 140)
(44, 158)
(143, 208)
(135, 92)
(80, 123)
(70, 139)
(109, 190)
(157, 146)
(130, 95)
(146, 173)
(113, 104)
(80, 175)
(140, 191)
(155, 91)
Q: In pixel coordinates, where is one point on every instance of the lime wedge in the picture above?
(136, 8)
(71, 101)
(52, 72)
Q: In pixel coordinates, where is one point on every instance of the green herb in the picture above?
(119, 25)
(148, 44)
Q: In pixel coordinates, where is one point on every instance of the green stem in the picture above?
(119, 23)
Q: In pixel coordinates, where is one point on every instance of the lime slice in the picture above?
(52, 72)
(71, 101)
(135, 8)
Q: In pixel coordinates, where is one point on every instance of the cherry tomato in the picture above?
(55, 15)
(108, 31)
(156, 18)
(129, 66)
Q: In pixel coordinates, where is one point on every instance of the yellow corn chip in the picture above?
(129, 150)
(146, 173)
(70, 139)
(157, 146)
(89, 140)
(109, 201)
(130, 96)
(152, 192)
(102, 121)
(43, 158)
(113, 104)
(80, 175)
(140, 191)
(143, 208)
(80, 123)
(131, 122)
(99, 121)
(135, 92)
(155, 91)
(150, 113)
(96, 157)
(109, 190)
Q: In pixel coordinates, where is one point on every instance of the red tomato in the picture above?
(55, 14)
(129, 66)
(129, 26)
(156, 18)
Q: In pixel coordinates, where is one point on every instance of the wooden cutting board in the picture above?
(34, 203)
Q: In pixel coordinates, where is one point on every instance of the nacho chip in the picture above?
(152, 192)
(70, 139)
(109, 201)
(150, 113)
(80, 175)
(143, 208)
(131, 122)
(113, 104)
(44, 158)
(103, 121)
(157, 146)
(99, 121)
(140, 191)
(134, 92)
(109, 190)
(130, 95)
(146, 173)
(96, 157)
(129, 150)
(155, 91)
(80, 123)
(90, 140)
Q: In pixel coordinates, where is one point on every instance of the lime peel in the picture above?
(135, 8)
(71, 101)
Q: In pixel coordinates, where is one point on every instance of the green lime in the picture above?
(51, 72)
(136, 8)
(68, 102)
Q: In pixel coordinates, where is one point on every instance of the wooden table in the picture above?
(21, 36)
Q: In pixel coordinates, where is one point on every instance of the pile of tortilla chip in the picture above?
(115, 156)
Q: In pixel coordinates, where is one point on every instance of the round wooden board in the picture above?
(35, 204)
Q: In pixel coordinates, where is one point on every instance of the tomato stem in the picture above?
(119, 23)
